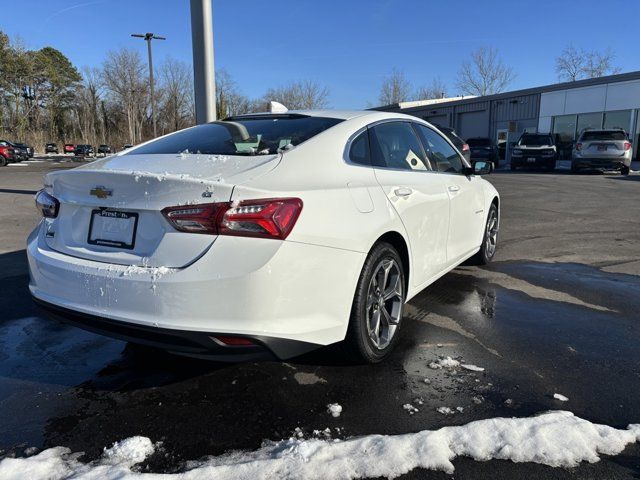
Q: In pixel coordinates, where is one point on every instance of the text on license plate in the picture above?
(531, 159)
(113, 228)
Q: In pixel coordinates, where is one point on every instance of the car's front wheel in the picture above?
(624, 170)
(3, 161)
(377, 307)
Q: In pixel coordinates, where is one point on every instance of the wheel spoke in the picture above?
(393, 290)
(374, 330)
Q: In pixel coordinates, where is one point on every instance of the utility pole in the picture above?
(148, 37)
(204, 82)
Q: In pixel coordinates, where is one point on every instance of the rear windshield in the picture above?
(604, 135)
(241, 136)
(479, 142)
(536, 140)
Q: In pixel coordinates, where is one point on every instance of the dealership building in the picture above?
(564, 109)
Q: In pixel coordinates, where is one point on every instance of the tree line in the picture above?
(45, 98)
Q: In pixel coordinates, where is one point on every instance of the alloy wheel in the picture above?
(384, 303)
(491, 237)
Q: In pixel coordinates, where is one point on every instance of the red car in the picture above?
(7, 153)
(68, 148)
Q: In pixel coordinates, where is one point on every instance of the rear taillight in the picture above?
(465, 147)
(627, 146)
(265, 218)
(234, 341)
(47, 204)
(578, 146)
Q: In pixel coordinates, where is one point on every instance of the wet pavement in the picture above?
(537, 327)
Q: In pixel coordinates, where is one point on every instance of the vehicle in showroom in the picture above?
(458, 142)
(534, 150)
(83, 150)
(261, 235)
(483, 149)
(68, 148)
(104, 149)
(602, 150)
(7, 153)
(51, 148)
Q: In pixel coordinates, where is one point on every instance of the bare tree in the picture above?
(176, 85)
(229, 100)
(484, 74)
(395, 89)
(124, 77)
(574, 64)
(301, 95)
(437, 89)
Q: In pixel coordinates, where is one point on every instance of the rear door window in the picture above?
(359, 152)
(616, 135)
(396, 145)
(441, 153)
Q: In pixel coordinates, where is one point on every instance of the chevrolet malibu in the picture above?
(263, 235)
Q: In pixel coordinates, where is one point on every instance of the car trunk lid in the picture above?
(110, 210)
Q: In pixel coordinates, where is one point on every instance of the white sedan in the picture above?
(262, 235)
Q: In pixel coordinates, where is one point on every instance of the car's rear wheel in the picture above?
(376, 313)
(490, 240)
(3, 161)
(624, 170)
(574, 168)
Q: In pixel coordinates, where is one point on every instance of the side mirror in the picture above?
(481, 168)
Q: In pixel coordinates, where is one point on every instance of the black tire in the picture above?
(3, 161)
(624, 170)
(513, 168)
(489, 241)
(574, 168)
(361, 346)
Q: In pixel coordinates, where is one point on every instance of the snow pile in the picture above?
(560, 397)
(60, 463)
(557, 439)
(335, 409)
(446, 362)
(410, 408)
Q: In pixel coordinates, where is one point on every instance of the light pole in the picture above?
(204, 82)
(148, 37)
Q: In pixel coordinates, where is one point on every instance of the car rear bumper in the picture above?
(532, 161)
(615, 163)
(272, 291)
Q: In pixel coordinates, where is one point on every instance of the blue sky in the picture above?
(347, 45)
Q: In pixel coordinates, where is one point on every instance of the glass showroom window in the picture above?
(618, 119)
(589, 120)
(564, 127)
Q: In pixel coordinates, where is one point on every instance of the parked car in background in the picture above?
(483, 149)
(534, 150)
(25, 148)
(460, 144)
(7, 153)
(21, 151)
(83, 150)
(213, 276)
(602, 150)
(51, 148)
(68, 148)
(104, 149)
(127, 146)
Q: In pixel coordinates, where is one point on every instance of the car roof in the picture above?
(327, 113)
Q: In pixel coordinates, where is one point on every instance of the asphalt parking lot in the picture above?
(557, 312)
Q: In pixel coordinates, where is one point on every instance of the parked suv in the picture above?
(104, 149)
(28, 151)
(51, 148)
(21, 151)
(602, 150)
(68, 148)
(482, 149)
(83, 150)
(7, 153)
(535, 150)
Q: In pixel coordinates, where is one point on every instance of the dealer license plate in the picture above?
(113, 228)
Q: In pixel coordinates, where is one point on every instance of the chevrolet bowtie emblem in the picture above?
(101, 192)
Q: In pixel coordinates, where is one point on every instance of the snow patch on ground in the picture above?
(560, 397)
(335, 409)
(473, 368)
(556, 439)
(446, 362)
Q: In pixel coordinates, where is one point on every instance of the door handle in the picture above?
(454, 188)
(403, 191)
